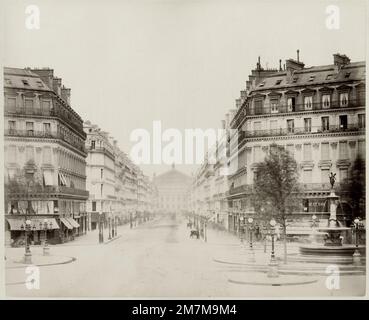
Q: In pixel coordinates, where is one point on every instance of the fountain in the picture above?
(334, 231)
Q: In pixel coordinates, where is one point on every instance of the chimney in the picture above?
(292, 66)
(57, 82)
(65, 94)
(280, 64)
(298, 55)
(227, 122)
(223, 124)
(340, 60)
(46, 75)
(238, 103)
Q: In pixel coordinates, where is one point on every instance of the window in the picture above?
(11, 104)
(93, 205)
(326, 101)
(258, 106)
(311, 78)
(343, 174)
(290, 126)
(262, 84)
(12, 126)
(343, 122)
(101, 189)
(39, 84)
(29, 128)
(274, 106)
(344, 99)
(308, 103)
(324, 176)
(347, 74)
(325, 123)
(8, 82)
(257, 125)
(328, 77)
(361, 148)
(257, 154)
(305, 205)
(46, 155)
(295, 79)
(29, 105)
(45, 106)
(101, 173)
(291, 104)
(324, 151)
(291, 149)
(343, 154)
(307, 175)
(273, 125)
(25, 82)
(47, 128)
(93, 144)
(361, 121)
(278, 82)
(12, 154)
(307, 152)
(30, 154)
(307, 124)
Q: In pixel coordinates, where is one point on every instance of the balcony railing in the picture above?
(42, 134)
(300, 130)
(250, 111)
(47, 113)
(47, 190)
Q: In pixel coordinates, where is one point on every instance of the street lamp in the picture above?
(250, 221)
(314, 225)
(27, 253)
(241, 230)
(109, 226)
(356, 256)
(45, 226)
(273, 265)
(101, 229)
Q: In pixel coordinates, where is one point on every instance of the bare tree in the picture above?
(276, 188)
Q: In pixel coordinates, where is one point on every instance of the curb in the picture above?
(113, 239)
(70, 260)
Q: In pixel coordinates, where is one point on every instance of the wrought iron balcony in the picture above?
(42, 134)
(284, 108)
(302, 130)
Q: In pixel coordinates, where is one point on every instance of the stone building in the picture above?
(45, 166)
(172, 191)
(119, 191)
(316, 113)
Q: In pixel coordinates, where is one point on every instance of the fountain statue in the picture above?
(334, 231)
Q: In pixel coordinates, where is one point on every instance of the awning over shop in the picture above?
(48, 178)
(73, 222)
(16, 223)
(66, 223)
(62, 179)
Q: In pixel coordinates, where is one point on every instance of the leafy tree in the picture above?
(353, 188)
(276, 188)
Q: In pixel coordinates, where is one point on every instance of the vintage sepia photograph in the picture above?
(161, 149)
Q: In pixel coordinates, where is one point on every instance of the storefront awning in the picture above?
(16, 223)
(66, 223)
(48, 178)
(73, 222)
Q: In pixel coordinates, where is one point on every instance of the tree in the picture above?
(276, 187)
(354, 188)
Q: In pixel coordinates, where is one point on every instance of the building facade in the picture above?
(119, 191)
(316, 113)
(172, 191)
(45, 158)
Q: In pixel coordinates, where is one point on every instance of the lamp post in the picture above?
(101, 228)
(314, 225)
(250, 221)
(273, 265)
(27, 253)
(205, 233)
(109, 227)
(356, 256)
(45, 225)
(241, 229)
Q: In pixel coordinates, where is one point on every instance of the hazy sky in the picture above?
(182, 62)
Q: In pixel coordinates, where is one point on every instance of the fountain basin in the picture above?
(324, 250)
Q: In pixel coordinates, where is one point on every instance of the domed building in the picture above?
(172, 187)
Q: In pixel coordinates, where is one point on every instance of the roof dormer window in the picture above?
(278, 82)
(329, 77)
(294, 80)
(262, 84)
(25, 82)
(311, 78)
(347, 74)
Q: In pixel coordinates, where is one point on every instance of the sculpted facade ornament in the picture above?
(334, 145)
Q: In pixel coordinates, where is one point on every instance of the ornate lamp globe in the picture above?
(250, 220)
(28, 222)
(356, 221)
(273, 223)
